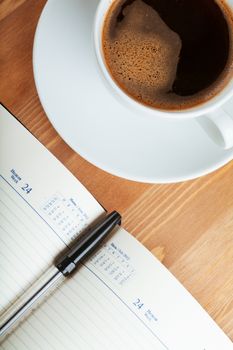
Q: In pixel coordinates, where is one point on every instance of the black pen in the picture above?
(83, 247)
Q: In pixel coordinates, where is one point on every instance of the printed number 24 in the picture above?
(138, 303)
(26, 188)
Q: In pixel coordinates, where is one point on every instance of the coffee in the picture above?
(169, 54)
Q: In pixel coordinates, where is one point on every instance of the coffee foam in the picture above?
(144, 53)
(145, 62)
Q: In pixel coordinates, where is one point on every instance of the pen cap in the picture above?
(87, 242)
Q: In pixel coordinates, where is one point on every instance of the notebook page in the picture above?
(122, 298)
(42, 209)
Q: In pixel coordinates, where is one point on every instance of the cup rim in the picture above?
(202, 109)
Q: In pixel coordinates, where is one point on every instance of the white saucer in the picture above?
(94, 123)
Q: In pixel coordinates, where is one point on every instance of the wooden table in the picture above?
(189, 226)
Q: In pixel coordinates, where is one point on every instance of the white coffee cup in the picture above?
(210, 115)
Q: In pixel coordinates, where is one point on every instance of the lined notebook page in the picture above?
(122, 298)
(42, 209)
(27, 246)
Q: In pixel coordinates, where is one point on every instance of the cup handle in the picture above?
(219, 127)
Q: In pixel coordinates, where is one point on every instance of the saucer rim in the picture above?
(113, 171)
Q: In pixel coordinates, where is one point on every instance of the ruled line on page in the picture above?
(85, 313)
(102, 306)
(33, 209)
(15, 201)
(68, 293)
(26, 241)
(11, 209)
(127, 306)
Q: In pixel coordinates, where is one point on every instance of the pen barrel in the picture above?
(30, 300)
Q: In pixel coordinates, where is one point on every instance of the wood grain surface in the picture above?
(187, 225)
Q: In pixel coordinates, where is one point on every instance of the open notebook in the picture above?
(122, 298)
